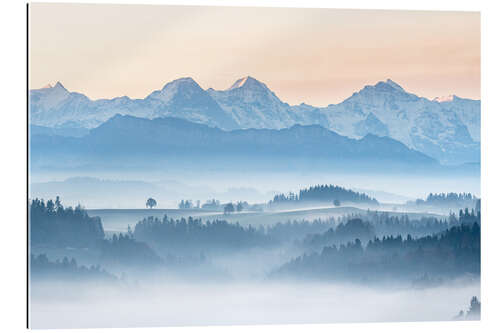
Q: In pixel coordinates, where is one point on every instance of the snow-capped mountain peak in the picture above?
(389, 85)
(379, 90)
(59, 86)
(47, 86)
(48, 97)
(184, 81)
(247, 82)
(239, 83)
(394, 85)
(442, 99)
(186, 85)
(450, 125)
(185, 99)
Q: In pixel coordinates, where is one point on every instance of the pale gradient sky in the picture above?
(316, 56)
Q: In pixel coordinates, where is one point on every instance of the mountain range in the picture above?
(176, 144)
(446, 129)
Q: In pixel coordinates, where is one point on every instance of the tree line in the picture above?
(123, 249)
(451, 253)
(324, 193)
(191, 234)
(55, 225)
(216, 205)
(41, 267)
(386, 223)
(342, 233)
(448, 199)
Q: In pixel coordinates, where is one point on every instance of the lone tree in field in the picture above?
(336, 202)
(229, 208)
(151, 203)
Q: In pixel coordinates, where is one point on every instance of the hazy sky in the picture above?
(316, 56)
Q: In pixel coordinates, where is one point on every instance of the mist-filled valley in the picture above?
(184, 224)
(180, 304)
(321, 253)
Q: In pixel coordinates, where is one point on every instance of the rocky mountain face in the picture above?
(436, 128)
(447, 129)
(183, 98)
(254, 105)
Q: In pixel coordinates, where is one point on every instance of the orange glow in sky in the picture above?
(316, 56)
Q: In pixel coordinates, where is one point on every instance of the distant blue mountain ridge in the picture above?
(174, 142)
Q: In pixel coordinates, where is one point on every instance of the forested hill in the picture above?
(449, 199)
(452, 253)
(53, 224)
(324, 193)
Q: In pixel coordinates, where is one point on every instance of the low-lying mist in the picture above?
(59, 305)
(327, 255)
(130, 189)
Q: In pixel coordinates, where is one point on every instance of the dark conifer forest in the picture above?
(67, 270)
(350, 246)
(451, 253)
(449, 199)
(324, 193)
(54, 225)
(363, 248)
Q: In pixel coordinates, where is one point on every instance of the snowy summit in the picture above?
(442, 99)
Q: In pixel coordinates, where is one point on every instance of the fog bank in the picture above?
(177, 304)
